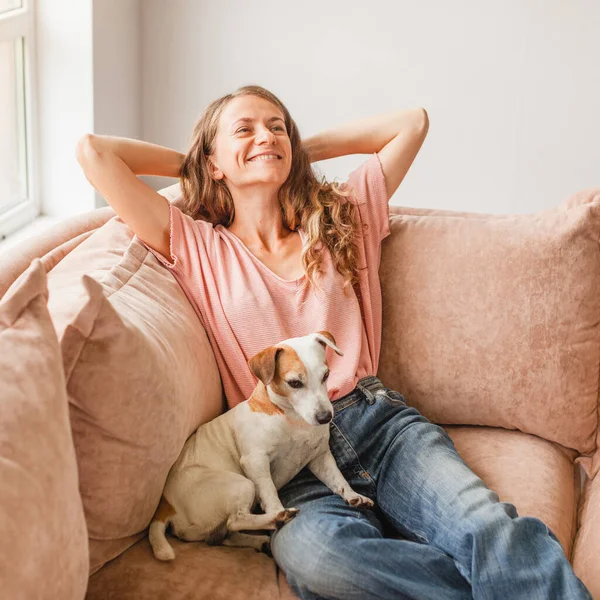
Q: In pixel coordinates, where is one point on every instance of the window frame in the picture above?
(14, 24)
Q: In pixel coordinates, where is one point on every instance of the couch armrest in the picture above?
(13, 263)
(586, 550)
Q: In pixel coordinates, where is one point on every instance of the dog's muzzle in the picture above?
(323, 416)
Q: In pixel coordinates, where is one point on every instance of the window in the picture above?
(18, 198)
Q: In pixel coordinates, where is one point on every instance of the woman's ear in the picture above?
(214, 171)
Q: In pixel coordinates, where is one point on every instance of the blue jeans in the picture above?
(453, 538)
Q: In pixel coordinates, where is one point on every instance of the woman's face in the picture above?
(252, 145)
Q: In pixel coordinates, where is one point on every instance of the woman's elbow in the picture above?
(423, 120)
(85, 148)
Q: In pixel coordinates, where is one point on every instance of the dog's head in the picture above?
(295, 374)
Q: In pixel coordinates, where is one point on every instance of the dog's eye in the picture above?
(295, 383)
(326, 376)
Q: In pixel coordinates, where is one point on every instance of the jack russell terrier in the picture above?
(252, 450)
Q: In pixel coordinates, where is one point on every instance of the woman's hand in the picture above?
(111, 164)
(396, 137)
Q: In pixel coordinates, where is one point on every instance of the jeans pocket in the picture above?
(394, 398)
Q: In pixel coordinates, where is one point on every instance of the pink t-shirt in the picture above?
(245, 307)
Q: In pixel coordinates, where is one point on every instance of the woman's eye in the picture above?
(242, 130)
(295, 383)
(278, 127)
(326, 376)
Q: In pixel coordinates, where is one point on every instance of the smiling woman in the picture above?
(228, 179)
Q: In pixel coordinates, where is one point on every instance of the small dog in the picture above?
(252, 450)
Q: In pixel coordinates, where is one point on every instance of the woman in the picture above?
(265, 252)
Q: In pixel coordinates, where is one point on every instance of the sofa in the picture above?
(491, 328)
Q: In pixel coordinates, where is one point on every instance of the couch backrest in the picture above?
(495, 320)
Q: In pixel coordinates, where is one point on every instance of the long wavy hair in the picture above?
(321, 208)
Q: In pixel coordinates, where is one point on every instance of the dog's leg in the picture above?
(248, 521)
(243, 540)
(325, 468)
(258, 469)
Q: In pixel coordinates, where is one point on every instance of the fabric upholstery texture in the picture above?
(44, 549)
(14, 262)
(586, 551)
(140, 379)
(199, 571)
(495, 320)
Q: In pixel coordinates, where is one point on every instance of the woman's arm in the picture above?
(396, 137)
(111, 164)
(142, 158)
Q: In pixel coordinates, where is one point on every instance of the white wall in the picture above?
(65, 102)
(89, 75)
(511, 88)
(117, 70)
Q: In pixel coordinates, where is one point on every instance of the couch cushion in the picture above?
(198, 571)
(586, 551)
(537, 476)
(495, 320)
(141, 377)
(44, 550)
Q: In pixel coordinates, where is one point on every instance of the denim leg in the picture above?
(334, 551)
(425, 488)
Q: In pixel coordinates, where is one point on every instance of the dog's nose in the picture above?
(323, 416)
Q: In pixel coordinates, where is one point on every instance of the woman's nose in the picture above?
(265, 135)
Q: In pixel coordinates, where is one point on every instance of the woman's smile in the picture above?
(266, 157)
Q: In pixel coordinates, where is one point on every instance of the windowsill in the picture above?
(36, 227)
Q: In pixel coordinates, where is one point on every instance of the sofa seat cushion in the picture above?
(198, 571)
(140, 375)
(586, 551)
(495, 319)
(537, 476)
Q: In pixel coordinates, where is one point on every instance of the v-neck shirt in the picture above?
(262, 265)
(245, 307)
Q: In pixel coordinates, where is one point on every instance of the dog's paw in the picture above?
(285, 516)
(359, 501)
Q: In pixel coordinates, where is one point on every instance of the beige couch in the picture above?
(491, 328)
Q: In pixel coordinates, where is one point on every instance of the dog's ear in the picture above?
(325, 338)
(264, 363)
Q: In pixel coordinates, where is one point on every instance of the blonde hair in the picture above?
(319, 207)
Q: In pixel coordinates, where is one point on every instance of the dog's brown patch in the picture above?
(260, 402)
(288, 361)
(270, 366)
(264, 364)
(164, 510)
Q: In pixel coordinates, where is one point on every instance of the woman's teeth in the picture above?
(267, 157)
